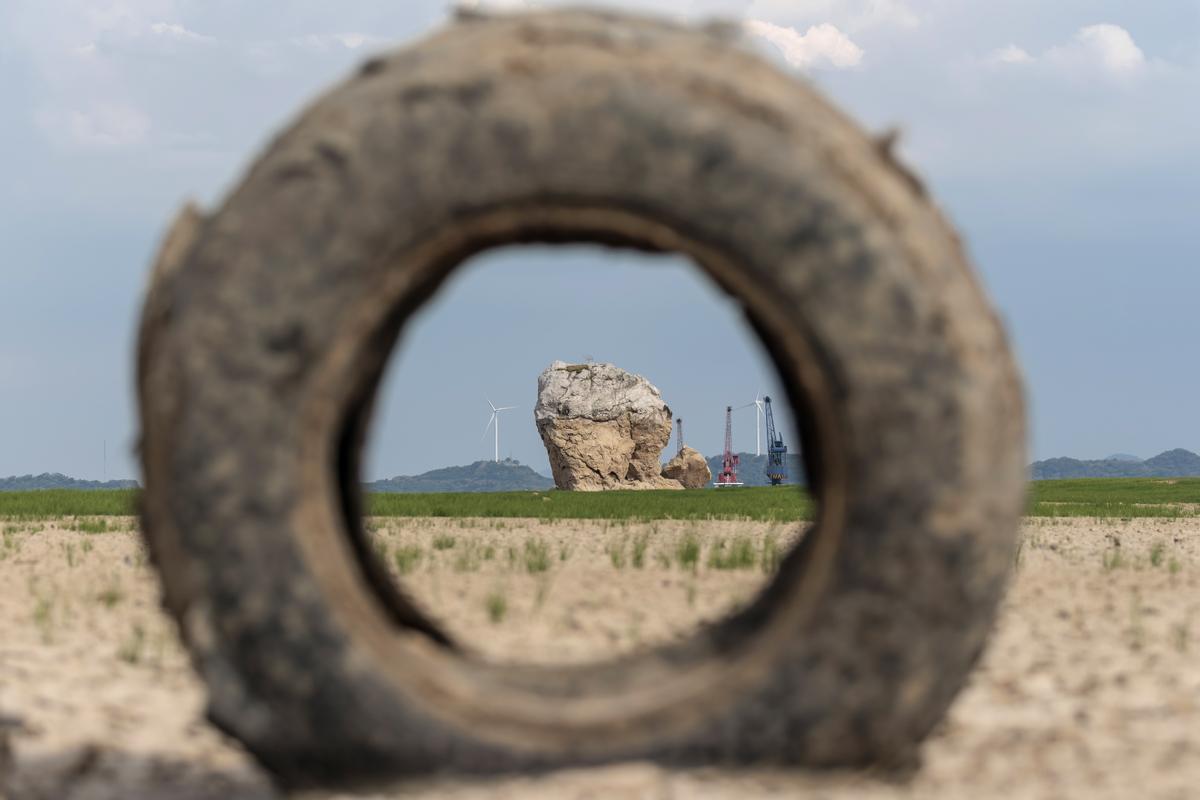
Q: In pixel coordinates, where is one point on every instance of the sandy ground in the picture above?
(1090, 688)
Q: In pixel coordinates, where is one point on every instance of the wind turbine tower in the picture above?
(494, 422)
(759, 418)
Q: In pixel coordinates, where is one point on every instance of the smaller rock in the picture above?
(689, 468)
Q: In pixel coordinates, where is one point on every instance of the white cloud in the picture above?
(890, 13)
(1104, 48)
(100, 126)
(174, 30)
(819, 46)
(497, 5)
(1111, 46)
(328, 41)
(1011, 55)
(848, 15)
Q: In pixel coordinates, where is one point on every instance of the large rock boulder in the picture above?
(603, 427)
(689, 468)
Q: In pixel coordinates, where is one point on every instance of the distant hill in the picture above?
(54, 480)
(508, 475)
(752, 469)
(1176, 463)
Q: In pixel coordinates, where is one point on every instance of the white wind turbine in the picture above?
(495, 420)
(759, 417)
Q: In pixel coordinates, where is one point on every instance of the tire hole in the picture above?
(465, 537)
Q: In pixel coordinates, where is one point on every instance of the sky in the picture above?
(1062, 138)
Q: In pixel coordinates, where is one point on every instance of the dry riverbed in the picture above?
(1090, 688)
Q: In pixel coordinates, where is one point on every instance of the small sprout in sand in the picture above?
(10, 542)
(406, 557)
(1181, 634)
(616, 553)
(131, 649)
(43, 617)
(687, 553)
(1137, 631)
(467, 557)
(1156, 554)
(737, 555)
(69, 552)
(443, 541)
(537, 555)
(489, 553)
(110, 595)
(771, 555)
(497, 606)
(543, 591)
(93, 526)
(564, 551)
(381, 549)
(640, 543)
(1111, 559)
(662, 559)
(1173, 566)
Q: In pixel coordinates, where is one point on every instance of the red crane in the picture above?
(727, 476)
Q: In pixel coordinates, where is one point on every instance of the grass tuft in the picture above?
(130, 650)
(640, 543)
(616, 553)
(687, 552)
(1111, 559)
(497, 606)
(110, 595)
(406, 557)
(736, 555)
(93, 526)
(537, 555)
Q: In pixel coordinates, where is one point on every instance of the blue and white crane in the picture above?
(777, 469)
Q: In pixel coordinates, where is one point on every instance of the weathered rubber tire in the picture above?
(268, 322)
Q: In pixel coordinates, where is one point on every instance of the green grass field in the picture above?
(69, 503)
(1116, 497)
(1097, 497)
(758, 502)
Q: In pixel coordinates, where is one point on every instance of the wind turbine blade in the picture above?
(485, 397)
(489, 425)
(505, 408)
